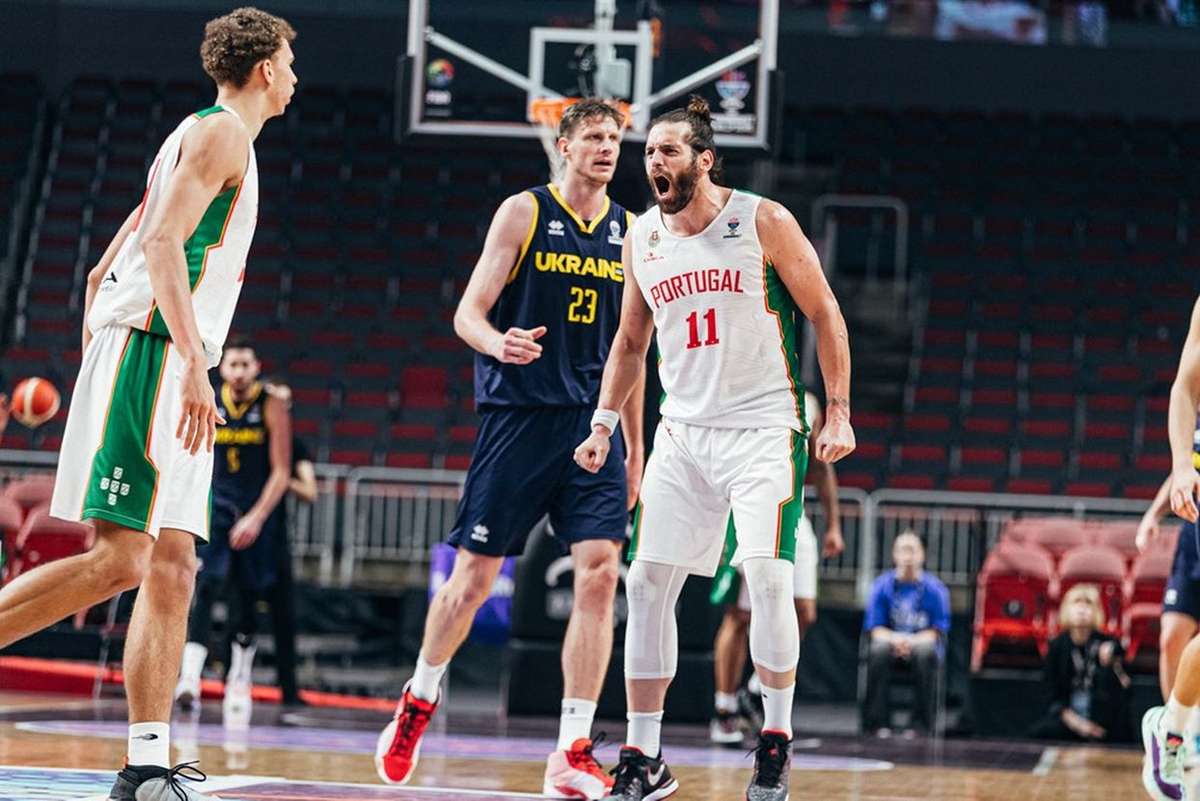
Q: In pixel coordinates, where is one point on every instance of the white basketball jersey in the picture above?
(726, 324)
(215, 254)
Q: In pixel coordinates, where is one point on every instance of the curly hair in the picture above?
(698, 117)
(235, 43)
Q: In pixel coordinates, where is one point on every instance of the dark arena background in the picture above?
(1003, 196)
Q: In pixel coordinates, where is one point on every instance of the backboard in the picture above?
(473, 67)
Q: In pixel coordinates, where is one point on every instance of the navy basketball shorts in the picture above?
(523, 467)
(1183, 587)
(255, 568)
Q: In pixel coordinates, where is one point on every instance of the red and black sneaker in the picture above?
(399, 747)
(575, 773)
(772, 767)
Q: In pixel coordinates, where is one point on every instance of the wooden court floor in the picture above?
(326, 755)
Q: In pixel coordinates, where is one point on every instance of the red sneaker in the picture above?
(575, 773)
(399, 747)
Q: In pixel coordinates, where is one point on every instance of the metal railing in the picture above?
(395, 516)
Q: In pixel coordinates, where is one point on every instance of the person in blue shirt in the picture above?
(907, 618)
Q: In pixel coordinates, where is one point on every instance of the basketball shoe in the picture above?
(726, 728)
(1162, 767)
(772, 766)
(640, 778)
(187, 691)
(399, 746)
(152, 783)
(574, 773)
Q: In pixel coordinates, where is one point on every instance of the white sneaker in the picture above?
(187, 691)
(1162, 767)
(236, 707)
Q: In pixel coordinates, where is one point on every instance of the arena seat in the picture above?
(43, 539)
(1012, 591)
(1100, 565)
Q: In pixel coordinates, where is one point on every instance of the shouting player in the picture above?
(722, 277)
(136, 457)
(541, 310)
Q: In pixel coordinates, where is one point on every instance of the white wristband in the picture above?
(607, 418)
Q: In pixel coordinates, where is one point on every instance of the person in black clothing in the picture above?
(1087, 684)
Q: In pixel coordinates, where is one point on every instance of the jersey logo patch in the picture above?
(555, 228)
(480, 533)
(733, 224)
(614, 233)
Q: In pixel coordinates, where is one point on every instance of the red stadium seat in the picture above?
(1013, 588)
(1100, 565)
(423, 387)
(30, 491)
(1148, 576)
(1142, 626)
(43, 538)
(1119, 534)
(1056, 534)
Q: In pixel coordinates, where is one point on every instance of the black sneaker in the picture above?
(726, 729)
(640, 778)
(152, 783)
(772, 766)
(750, 705)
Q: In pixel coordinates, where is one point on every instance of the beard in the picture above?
(680, 189)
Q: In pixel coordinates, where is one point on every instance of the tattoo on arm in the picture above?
(836, 402)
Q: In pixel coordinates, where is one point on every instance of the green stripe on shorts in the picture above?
(635, 539)
(123, 482)
(792, 510)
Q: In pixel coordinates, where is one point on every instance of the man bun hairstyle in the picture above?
(235, 44)
(588, 108)
(698, 116)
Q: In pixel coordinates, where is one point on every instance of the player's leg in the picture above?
(1176, 631)
(808, 555)
(282, 600)
(504, 496)
(1181, 608)
(676, 531)
(730, 651)
(767, 495)
(243, 597)
(215, 560)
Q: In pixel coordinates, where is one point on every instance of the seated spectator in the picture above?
(1087, 685)
(907, 617)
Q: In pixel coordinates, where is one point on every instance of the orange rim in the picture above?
(548, 111)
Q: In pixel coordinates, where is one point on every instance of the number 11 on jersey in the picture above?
(710, 321)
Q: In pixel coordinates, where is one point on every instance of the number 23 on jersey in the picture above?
(583, 305)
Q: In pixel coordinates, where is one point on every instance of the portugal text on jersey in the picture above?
(567, 277)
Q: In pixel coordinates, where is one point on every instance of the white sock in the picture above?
(241, 664)
(194, 655)
(754, 685)
(777, 709)
(1193, 724)
(645, 732)
(725, 702)
(149, 744)
(1176, 719)
(427, 679)
(576, 721)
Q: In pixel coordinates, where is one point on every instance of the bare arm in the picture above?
(625, 369)
(507, 238)
(1181, 423)
(824, 476)
(97, 273)
(794, 259)
(213, 157)
(633, 432)
(1148, 530)
(279, 423)
(304, 483)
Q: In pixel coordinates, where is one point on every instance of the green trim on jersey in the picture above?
(206, 112)
(635, 538)
(780, 303)
(208, 233)
(123, 480)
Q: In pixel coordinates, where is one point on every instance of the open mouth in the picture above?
(603, 164)
(662, 184)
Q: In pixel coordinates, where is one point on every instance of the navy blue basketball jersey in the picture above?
(242, 452)
(567, 277)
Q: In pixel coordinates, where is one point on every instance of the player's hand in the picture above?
(836, 439)
(592, 453)
(518, 345)
(244, 532)
(834, 544)
(1147, 532)
(281, 392)
(635, 464)
(200, 418)
(1184, 484)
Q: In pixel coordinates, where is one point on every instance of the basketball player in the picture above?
(1181, 602)
(252, 467)
(729, 587)
(1171, 733)
(722, 277)
(541, 310)
(136, 458)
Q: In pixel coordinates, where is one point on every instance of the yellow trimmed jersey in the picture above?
(215, 253)
(727, 327)
(567, 277)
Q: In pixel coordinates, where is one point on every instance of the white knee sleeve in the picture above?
(651, 637)
(774, 633)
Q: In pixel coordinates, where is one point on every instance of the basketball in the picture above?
(34, 401)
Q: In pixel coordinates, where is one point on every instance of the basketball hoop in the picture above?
(547, 112)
